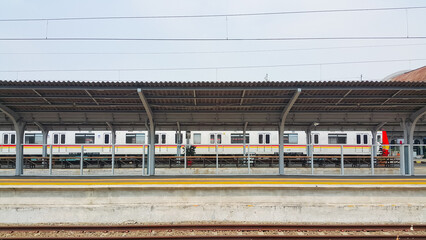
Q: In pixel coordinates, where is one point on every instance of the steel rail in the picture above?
(239, 237)
(227, 227)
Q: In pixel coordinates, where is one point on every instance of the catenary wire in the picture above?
(217, 15)
(211, 39)
(207, 68)
(212, 52)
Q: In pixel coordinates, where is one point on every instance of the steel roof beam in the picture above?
(212, 88)
(41, 96)
(288, 107)
(414, 117)
(15, 117)
(284, 97)
(146, 106)
(242, 97)
(341, 99)
(90, 95)
(391, 97)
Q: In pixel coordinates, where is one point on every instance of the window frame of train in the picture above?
(315, 138)
(294, 137)
(215, 138)
(89, 138)
(238, 138)
(33, 138)
(338, 137)
(163, 138)
(9, 138)
(59, 138)
(361, 138)
(135, 138)
(196, 138)
(264, 138)
(107, 138)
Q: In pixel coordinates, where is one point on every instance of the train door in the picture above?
(315, 141)
(58, 141)
(361, 139)
(365, 142)
(264, 143)
(9, 140)
(215, 140)
(107, 141)
(160, 141)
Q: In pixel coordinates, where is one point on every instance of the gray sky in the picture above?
(210, 60)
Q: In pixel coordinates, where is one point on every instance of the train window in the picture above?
(358, 139)
(5, 138)
(316, 139)
(106, 138)
(239, 138)
(63, 138)
(55, 139)
(197, 138)
(337, 138)
(12, 138)
(291, 138)
(264, 138)
(178, 138)
(215, 138)
(365, 139)
(33, 138)
(84, 138)
(160, 136)
(379, 139)
(137, 138)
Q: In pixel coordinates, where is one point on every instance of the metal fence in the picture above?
(131, 159)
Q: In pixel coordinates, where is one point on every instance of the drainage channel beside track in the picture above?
(239, 231)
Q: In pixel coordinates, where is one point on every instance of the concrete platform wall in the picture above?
(116, 205)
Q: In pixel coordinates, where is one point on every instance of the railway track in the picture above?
(237, 231)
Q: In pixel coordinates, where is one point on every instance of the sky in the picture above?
(210, 60)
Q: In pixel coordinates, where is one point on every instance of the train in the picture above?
(205, 142)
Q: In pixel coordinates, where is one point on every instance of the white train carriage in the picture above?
(206, 142)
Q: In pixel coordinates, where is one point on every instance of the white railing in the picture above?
(309, 151)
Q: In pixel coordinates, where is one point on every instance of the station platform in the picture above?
(212, 199)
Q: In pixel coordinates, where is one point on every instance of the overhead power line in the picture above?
(211, 68)
(212, 39)
(211, 52)
(214, 15)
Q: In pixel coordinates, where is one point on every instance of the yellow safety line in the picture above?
(211, 183)
(215, 179)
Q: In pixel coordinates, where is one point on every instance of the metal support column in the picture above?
(373, 150)
(81, 160)
(342, 161)
(283, 117)
(50, 159)
(20, 129)
(45, 133)
(244, 138)
(281, 150)
(113, 136)
(151, 150)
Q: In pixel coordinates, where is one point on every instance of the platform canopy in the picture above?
(338, 105)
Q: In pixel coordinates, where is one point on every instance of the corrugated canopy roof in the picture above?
(211, 105)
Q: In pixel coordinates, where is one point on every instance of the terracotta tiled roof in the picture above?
(417, 75)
